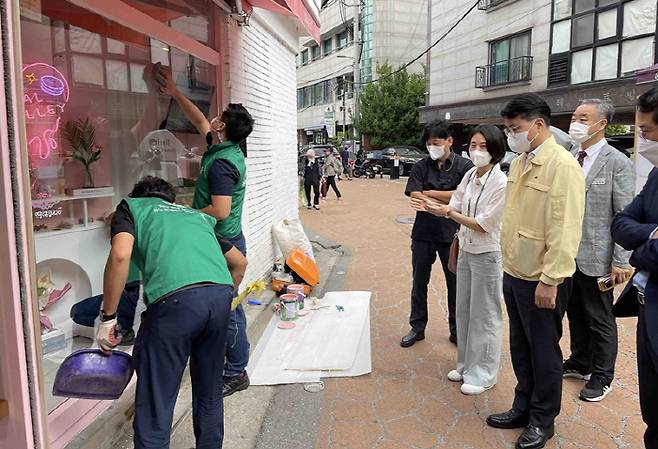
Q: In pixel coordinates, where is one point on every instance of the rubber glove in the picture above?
(107, 336)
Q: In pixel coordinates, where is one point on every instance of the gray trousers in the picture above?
(479, 316)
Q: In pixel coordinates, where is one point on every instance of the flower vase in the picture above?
(89, 179)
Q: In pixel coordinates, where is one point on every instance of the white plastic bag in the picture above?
(289, 234)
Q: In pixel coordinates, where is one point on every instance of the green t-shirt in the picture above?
(175, 246)
(229, 151)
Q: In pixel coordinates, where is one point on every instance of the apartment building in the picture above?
(565, 50)
(385, 31)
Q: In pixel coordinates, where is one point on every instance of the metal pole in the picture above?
(357, 63)
(344, 109)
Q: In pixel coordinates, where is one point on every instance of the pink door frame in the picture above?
(27, 423)
(24, 425)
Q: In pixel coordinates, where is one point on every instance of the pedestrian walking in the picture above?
(542, 225)
(345, 160)
(220, 192)
(434, 179)
(332, 168)
(636, 230)
(187, 314)
(477, 206)
(609, 188)
(312, 178)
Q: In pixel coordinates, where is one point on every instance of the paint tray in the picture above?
(89, 374)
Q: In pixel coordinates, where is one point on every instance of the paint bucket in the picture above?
(288, 307)
(298, 289)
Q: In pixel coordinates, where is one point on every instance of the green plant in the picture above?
(389, 108)
(617, 130)
(81, 135)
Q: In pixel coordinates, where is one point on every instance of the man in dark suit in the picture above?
(636, 229)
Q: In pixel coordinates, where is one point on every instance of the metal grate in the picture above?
(558, 70)
(504, 72)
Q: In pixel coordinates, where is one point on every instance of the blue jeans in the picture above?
(86, 311)
(190, 324)
(237, 343)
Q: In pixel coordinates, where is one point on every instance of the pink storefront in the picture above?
(82, 121)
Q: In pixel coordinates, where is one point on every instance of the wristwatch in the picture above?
(105, 317)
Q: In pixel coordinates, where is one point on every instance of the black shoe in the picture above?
(534, 437)
(453, 339)
(234, 384)
(596, 389)
(411, 338)
(511, 419)
(571, 371)
(309, 207)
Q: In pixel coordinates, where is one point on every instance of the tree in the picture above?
(617, 130)
(389, 108)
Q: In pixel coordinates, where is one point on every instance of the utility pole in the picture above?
(344, 108)
(357, 63)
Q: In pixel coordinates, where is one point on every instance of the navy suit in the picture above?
(632, 229)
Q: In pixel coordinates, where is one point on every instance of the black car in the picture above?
(408, 157)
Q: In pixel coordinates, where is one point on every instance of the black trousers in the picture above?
(316, 193)
(592, 326)
(647, 370)
(190, 324)
(331, 182)
(423, 256)
(535, 348)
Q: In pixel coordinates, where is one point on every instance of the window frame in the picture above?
(330, 40)
(617, 39)
(315, 57)
(509, 37)
(306, 53)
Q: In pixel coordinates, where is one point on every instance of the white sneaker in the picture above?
(473, 390)
(455, 376)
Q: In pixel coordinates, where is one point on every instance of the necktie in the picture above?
(581, 157)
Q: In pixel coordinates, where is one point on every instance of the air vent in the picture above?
(558, 70)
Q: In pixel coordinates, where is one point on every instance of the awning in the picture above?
(314, 127)
(294, 8)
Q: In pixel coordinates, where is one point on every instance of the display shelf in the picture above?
(63, 198)
(74, 228)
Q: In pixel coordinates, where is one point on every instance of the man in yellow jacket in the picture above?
(542, 225)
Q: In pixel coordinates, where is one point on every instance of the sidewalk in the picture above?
(407, 402)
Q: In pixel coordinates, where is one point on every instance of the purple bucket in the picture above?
(89, 374)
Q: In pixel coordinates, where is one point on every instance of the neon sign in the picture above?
(46, 95)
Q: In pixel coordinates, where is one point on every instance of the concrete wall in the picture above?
(453, 61)
(262, 78)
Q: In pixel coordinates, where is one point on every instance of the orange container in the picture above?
(304, 267)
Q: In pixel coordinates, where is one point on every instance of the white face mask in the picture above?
(519, 143)
(648, 149)
(436, 151)
(579, 132)
(480, 158)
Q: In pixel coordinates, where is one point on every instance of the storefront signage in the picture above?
(46, 209)
(329, 123)
(46, 95)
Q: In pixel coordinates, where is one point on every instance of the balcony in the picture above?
(486, 4)
(504, 72)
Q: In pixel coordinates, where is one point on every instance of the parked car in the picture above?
(624, 143)
(408, 157)
(319, 155)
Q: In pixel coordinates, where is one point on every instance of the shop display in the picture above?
(81, 135)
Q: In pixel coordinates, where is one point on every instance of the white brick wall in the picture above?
(262, 78)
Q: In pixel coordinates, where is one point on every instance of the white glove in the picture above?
(107, 336)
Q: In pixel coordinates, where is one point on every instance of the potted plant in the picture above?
(81, 135)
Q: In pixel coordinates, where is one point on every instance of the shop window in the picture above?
(327, 46)
(92, 80)
(600, 39)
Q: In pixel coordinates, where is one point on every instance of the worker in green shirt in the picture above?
(220, 192)
(188, 291)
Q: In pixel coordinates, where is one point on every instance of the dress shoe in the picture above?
(511, 419)
(534, 437)
(411, 338)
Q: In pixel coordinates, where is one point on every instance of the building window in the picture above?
(327, 46)
(595, 40)
(342, 40)
(305, 57)
(486, 4)
(509, 62)
(315, 52)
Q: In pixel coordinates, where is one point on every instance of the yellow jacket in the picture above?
(543, 218)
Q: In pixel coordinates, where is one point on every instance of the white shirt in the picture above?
(490, 189)
(592, 154)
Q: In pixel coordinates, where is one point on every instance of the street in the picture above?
(407, 401)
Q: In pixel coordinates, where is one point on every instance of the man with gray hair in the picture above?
(609, 188)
